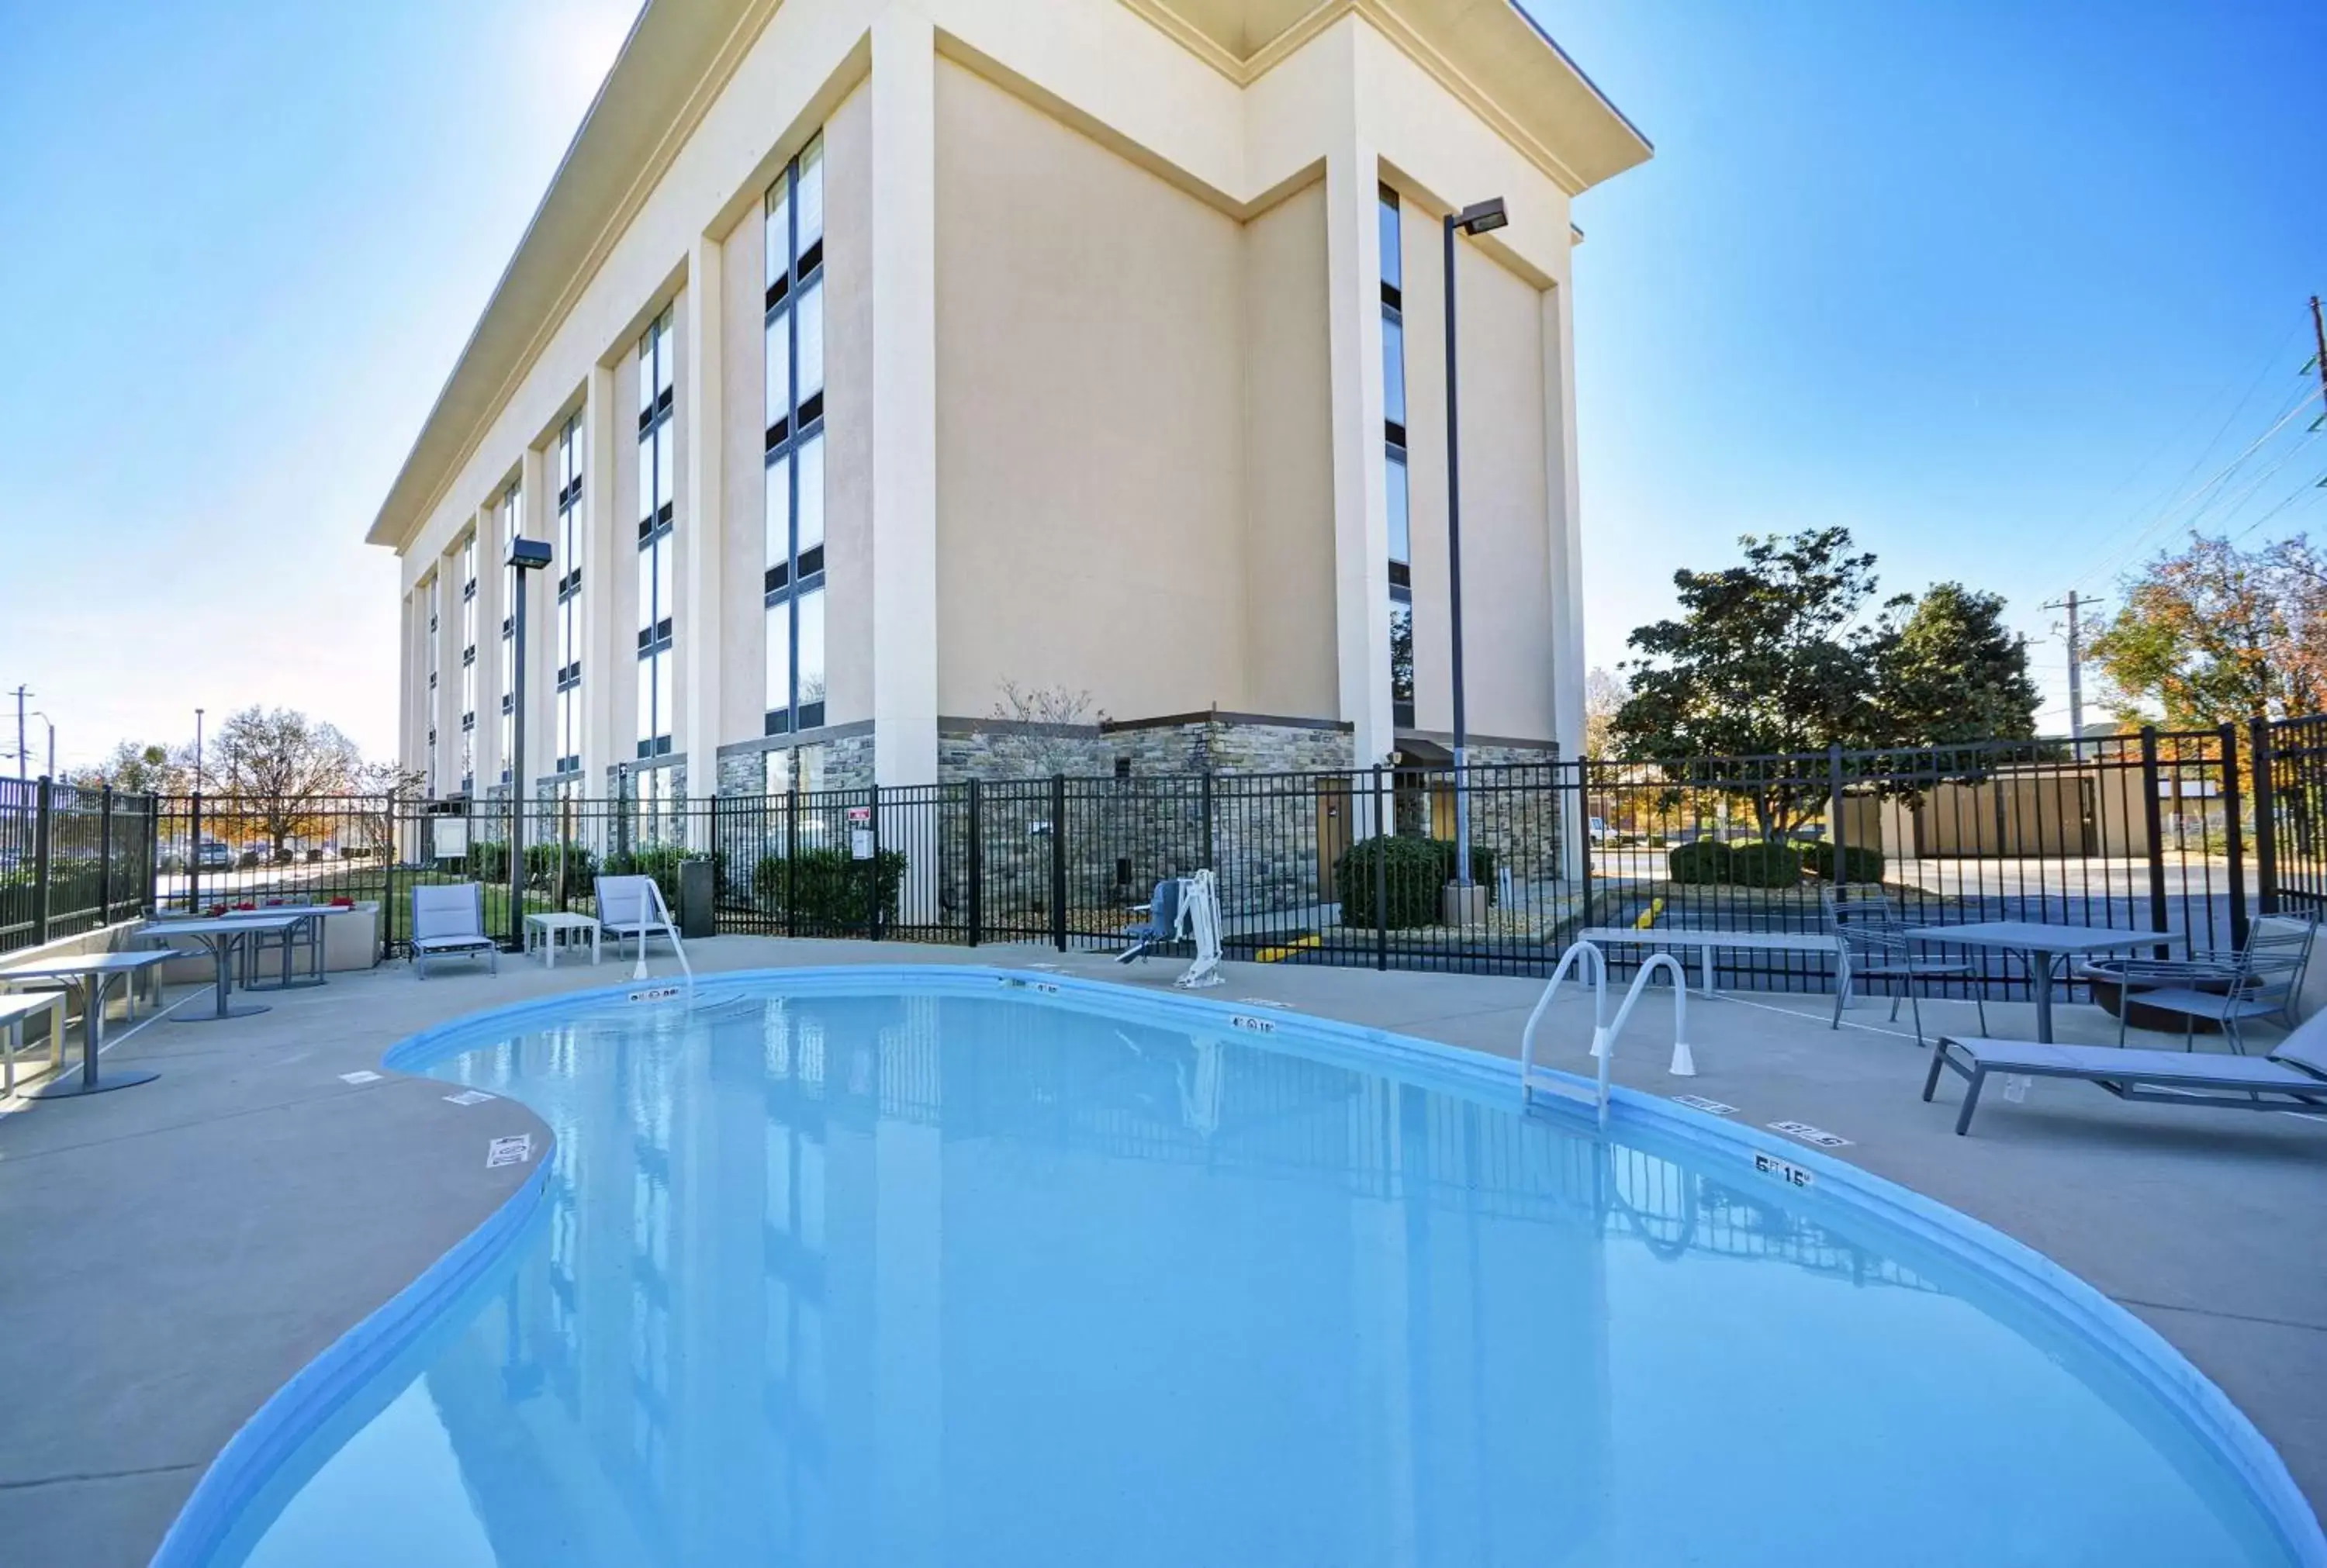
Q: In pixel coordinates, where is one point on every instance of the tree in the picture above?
(1948, 673)
(1604, 692)
(1769, 656)
(142, 768)
(276, 767)
(1045, 730)
(2217, 634)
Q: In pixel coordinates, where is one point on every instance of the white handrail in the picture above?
(1603, 1029)
(1598, 966)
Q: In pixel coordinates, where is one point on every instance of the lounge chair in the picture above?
(448, 921)
(633, 907)
(1874, 946)
(2293, 1078)
(1163, 912)
(2261, 979)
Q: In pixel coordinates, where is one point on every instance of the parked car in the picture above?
(253, 854)
(1599, 831)
(214, 856)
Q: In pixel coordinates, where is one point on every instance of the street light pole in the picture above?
(525, 555)
(52, 723)
(1464, 908)
(197, 752)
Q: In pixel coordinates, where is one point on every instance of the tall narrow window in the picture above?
(1401, 553)
(469, 664)
(795, 444)
(569, 598)
(512, 514)
(658, 584)
(433, 590)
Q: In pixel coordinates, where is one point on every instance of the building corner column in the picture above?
(1566, 522)
(702, 537)
(605, 669)
(1361, 497)
(904, 398)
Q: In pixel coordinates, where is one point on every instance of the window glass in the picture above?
(811, 494)
(1400, 525)
(645, 700)
(1393, 268)
(811, 194)
(811, 647)
(665, 708)
(780, 654)
(778, 233)
(666, 438)
(666, 352)
(646, 481)
(1393, 370)
(778, 378)
(779, 528)
(646, 371)
(646, 590)
(811, 342)
(1401, 657)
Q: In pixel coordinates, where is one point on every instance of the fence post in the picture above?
(390, 847)
(1834, 829)
(153, 854)
(42, 827)
(2265, 813)
(1204, 790)
(873, 910)
(2154, 830)
(2236, 846)
(792, 857)
(977, 868)
(1059, 860)
(1381, 875)
(105, 856)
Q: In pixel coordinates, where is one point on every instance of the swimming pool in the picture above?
(943, 1265)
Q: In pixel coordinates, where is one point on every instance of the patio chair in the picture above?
(1163, 912)
(1874, 945)
(2293, 1078)
(633, 907)
(448, 921)
(2261, 979)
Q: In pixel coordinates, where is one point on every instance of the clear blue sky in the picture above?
(1992, 285)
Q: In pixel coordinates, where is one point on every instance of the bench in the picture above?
(1706, 941)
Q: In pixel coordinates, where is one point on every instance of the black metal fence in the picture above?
(71, 859)
(2190, 833)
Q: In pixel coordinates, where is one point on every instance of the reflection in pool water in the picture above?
(925, 1278)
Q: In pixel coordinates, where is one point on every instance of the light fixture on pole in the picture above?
(525, 555)
(1466, 905)
(198, 751)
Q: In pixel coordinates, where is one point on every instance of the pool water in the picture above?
(931, 1272)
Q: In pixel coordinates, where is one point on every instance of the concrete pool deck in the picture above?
(176, 1251)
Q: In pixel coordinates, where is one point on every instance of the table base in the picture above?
(222, 1013)
(66, 1087)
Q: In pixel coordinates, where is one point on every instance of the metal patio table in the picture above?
(222, 937)
(314, 914)
(2040, 946)
(89, 976)
(20, 1008)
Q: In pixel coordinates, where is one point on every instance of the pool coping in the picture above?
(297, 1410)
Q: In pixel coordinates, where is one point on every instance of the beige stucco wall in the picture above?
(1090, 426)
(848, 477)
(1288, 462)
(1506, 529)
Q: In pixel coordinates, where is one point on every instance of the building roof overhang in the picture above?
(678, 52)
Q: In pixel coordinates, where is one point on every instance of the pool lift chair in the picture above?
(633, 907)
(1181, 909)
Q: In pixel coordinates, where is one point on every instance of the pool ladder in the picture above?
(1604, 1031)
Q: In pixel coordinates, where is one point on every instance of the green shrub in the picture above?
(1415, 875)
(1860, 863)
(489, 861)
(541, 862)
(1751, 864)
(829, 887)
(658, 861)
(1702, 863)
(1758, 864)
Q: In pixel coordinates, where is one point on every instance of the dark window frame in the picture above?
(798, 574)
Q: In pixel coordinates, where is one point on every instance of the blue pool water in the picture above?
(901, 1270)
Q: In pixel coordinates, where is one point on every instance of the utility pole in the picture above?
(2319, 336)
(2072, 603)
(21, 695)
